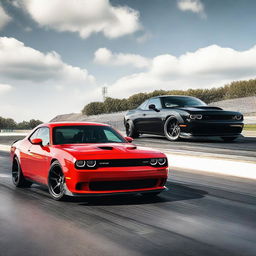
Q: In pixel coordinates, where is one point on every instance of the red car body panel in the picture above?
(35, 162)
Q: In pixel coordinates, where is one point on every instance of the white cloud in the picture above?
(5, 88)
(104, 56)
(4, 17)
(18, 61)
(42, 85)
(204, 68)
(84, 16)
(195, 6)
(143, 38)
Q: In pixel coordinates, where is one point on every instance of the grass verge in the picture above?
(250, 127)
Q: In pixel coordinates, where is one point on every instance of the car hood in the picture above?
(109, 150)
(201, 108)
(207, 109)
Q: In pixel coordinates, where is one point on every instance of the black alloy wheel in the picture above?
(130, 130)
(56, 182)
(172, 129)
(17, 175)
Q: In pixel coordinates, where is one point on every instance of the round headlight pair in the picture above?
(155, 161)
(87, 163)
(238, 117)
(193, 117)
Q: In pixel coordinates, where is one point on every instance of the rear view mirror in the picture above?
(129, 139)
(37, 141)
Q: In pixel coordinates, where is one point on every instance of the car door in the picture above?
(152, 119)
(25, 156)
(40, 156)
(138, 116)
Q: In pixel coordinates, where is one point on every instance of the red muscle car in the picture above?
(76, 159)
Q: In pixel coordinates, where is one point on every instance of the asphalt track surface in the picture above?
(200, 214)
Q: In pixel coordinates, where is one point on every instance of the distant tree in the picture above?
(94, 108)
(24, 125)
(2, 122)
(10, 123)
(34, 123)
(234, 90)
(136, 99)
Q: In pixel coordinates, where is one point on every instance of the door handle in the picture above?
(144, 114)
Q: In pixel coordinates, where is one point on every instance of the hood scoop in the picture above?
(208, 107)
(131, 147)
(106, 147)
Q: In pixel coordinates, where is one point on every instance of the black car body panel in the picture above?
(214, 122)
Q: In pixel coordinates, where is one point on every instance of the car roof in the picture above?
(162, 96)
(68, 123)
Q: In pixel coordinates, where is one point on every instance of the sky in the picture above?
(56, 55)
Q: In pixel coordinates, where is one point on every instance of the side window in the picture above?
(34, 135)
(111, 137)
(143, 105)
(156, 102)
(44, 134)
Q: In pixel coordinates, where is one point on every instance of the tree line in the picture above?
(233, 90)
(10, 124)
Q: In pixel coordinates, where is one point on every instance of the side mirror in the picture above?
(37, 141)
(153, 107)
(129, 139)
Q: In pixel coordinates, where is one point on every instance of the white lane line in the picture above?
(5, 147)
(221, 166)
(5, 175)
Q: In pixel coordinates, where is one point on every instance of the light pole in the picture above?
(104, 92)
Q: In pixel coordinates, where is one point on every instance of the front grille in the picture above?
(215, 129)
(217, 117)
(122, 184)
(123, 162)
(104, 163)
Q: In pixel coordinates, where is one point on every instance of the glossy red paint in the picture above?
(129, 139)
(37, 141)
(35, 161)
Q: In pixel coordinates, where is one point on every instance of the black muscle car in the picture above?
(182, 117)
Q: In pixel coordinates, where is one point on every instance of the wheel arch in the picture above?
(177, 116)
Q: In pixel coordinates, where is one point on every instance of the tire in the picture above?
(228, 139)
(56, 182)
(172, 129)
(17, 175)
(130, 129)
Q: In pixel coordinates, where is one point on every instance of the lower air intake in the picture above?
(122, 184)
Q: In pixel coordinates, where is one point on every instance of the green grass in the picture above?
(250, 127)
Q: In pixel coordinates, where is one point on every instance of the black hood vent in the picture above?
(131, 147)
(106, 148)
(207, 107)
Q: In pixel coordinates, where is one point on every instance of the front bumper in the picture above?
(204, 128)
(115, 180)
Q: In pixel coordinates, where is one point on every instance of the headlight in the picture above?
(161, 161)
(85, 164)
(238, 117)
(153, 161)
(156, 162)
(198, 116)
(91, 163)
(80, 163)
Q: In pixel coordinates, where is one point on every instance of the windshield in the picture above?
(85, 134)
(179, 101)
